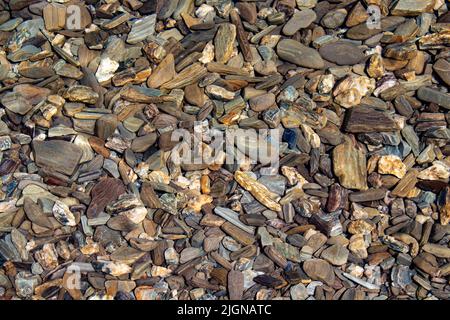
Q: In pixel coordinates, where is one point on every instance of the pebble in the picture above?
(342, 53)
(320, 270)
(297, 53)
(299, 20)
(431, 95)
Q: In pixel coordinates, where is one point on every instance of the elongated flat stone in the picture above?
(295, 52)
(349, 165)
(186, 77)
(342, 53)
(235, 284)
(367, 119)
(412, 7)
(224, 42)
(233, 217)
(238, 234)
(437, 250)
(258, 190)
(407, 184)
(367, 195)
(299, 20)
(364, 31)
(444, 206)
(80, 93)
(442, 68)
(361, 282)
(431, 95)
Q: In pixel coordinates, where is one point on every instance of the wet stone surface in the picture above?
(340, 192)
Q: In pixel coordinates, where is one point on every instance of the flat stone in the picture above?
(141, 144)
(299, 292)
(437, 171)
(367, 119)
(336, 255)
(189, 254)
(342, 53)
(54, 16)
(262, 102)
(16, 103)
(431, 95)
(299, 20)
(367, 195)
(35, 213)
(334, 19)
(406, 184)
(392, 164)
(106, 69)
(235, 284)
(63, 214)
(104, 192)
(295, 52)
(141, 29)
(163, 73)
(350, 166)
(81, 94)
(224, 42)
(437, 250)
(247, 11)
(233, 217)
(442, 68)
(167, 8)
(412, 7)
(11, 24)
(364, 31)
(57, 155)
(318, 269)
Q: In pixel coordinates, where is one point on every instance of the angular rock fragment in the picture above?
(141, 29)
(412, 7)
(57, 155)
(367, 119)
(104, 192)
(319, 269)
(391, 164)
(349, 165)
(224, 42)
(259, 191)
